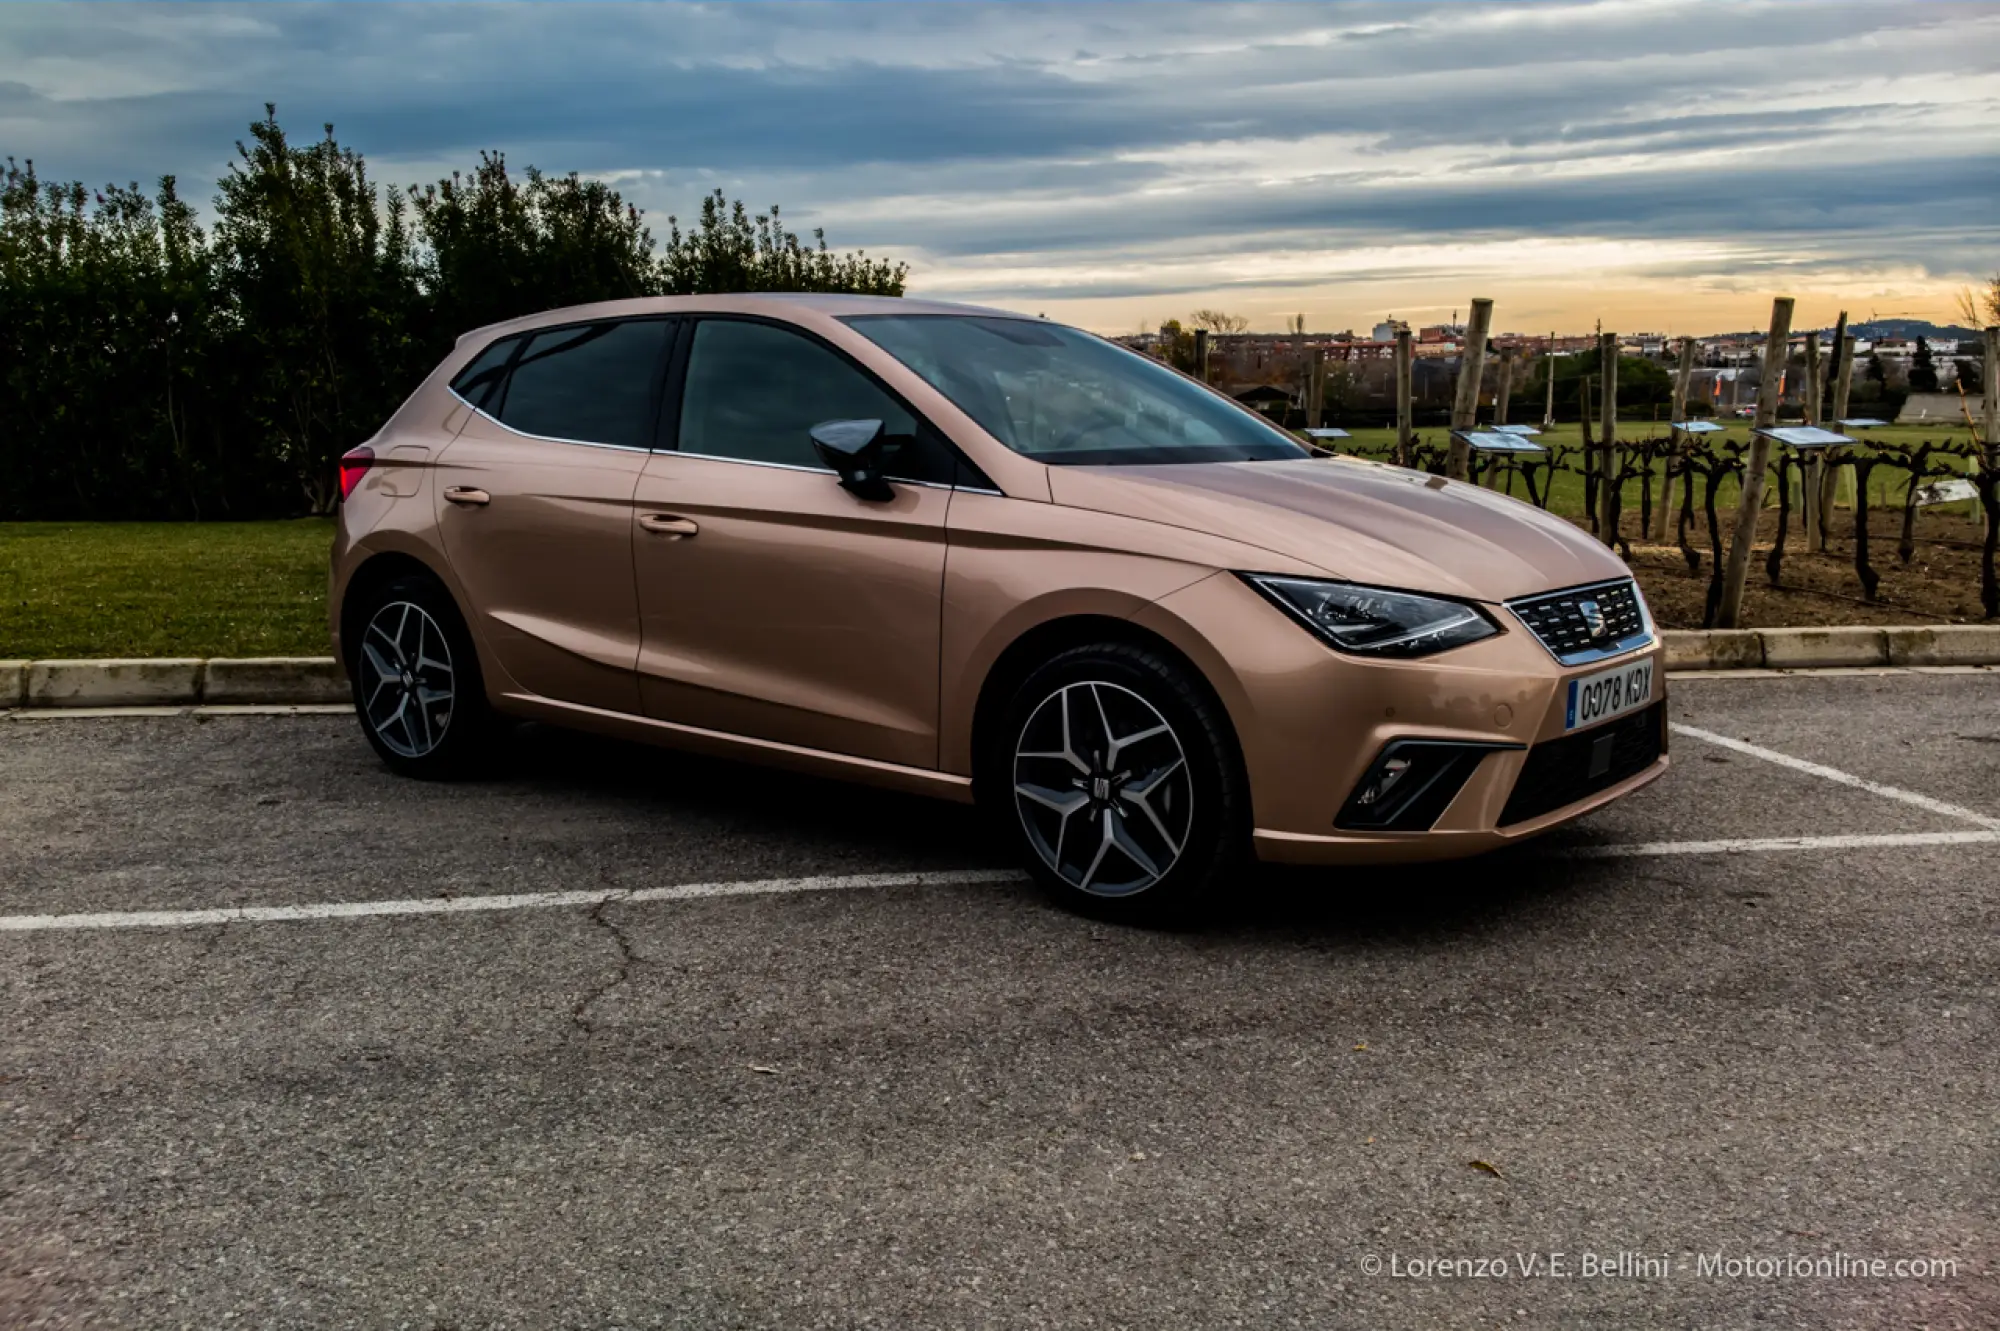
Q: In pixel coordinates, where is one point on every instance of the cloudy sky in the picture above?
(1659, 164)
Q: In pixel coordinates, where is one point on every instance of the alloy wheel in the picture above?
(1103, 788)
(406, 679)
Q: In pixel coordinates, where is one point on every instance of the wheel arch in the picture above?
(373, 573)
(1038, 643)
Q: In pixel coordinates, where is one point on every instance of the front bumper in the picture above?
(1310, 722)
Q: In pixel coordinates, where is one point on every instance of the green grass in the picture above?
(1885, 489)
(70, 589)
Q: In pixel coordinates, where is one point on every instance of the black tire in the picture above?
(1160, 845)
(394, 659)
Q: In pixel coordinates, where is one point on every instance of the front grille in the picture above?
(1565, 625)
(1558, 773)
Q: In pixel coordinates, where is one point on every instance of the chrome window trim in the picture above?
(813, 471)
(544, 438)
(706, 457)
(1646, 637)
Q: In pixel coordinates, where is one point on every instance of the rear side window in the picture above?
(754, 392)
(594, 383)
(477, 381)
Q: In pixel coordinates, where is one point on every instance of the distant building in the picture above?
(1267, 398)
(1386, 330)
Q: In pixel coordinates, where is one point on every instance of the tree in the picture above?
(1981, 308)
(1642, 381)
(1971, 375)
(494, 249)
(150, 370)
(1215, 321)
(729, 250)
(1176, 345)
(110, 387)
(318, 283)
(1923, 369)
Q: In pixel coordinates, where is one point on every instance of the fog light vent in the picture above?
(1411, 783)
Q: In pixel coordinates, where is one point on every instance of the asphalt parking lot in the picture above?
(882, 1085)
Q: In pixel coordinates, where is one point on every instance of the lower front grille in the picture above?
(1560, 772)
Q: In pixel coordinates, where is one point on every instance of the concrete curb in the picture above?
(1832, 648)
(172, 682)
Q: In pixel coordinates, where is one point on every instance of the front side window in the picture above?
(755, 391)
(1064, 397)
(593, 383)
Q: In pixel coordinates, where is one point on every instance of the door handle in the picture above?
(466, 495)
(666, 524)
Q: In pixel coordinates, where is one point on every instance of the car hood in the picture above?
(1358, 520)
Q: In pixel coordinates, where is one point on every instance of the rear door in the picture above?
(535, 503)
(773, 603)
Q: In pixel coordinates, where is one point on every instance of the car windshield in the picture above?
(1064, 397)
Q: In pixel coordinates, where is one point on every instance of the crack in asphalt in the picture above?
(580, 1015)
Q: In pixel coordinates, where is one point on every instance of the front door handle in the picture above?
(466, 495)
(666, 524)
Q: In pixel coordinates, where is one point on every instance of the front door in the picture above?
(773, 603)
(535, 506)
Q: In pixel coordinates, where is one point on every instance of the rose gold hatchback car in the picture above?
(964, 553)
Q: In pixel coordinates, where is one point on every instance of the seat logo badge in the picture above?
(1593, 618)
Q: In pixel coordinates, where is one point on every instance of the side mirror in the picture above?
(854, 450)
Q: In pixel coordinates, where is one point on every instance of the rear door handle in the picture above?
(467, 495)
(666, 524)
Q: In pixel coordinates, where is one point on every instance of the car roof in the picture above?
(779, 304)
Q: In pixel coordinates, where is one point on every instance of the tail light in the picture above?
(354, 464)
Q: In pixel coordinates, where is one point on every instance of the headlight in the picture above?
(1373, 621)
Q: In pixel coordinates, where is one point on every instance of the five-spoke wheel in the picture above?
(416, 677)
(1102, 788)
(1119, 773)
(406, 679)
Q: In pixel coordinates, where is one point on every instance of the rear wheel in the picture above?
(417, 688)
(1117, 775)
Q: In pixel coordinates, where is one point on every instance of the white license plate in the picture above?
(1608, 693)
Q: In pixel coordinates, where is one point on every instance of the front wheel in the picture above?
(417, 687)
(1117, 775)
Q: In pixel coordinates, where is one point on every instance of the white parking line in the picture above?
(1844, 778)
(356, 910)
(1754, 844)
(360, 910)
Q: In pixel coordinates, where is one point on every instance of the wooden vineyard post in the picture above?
(1809, 461)
(1500, 396)
(1610, 475)
(1315, 385)
(1589, 451)
(1990, 412)
(1842, 352)
(1405, 351)
(1989, 477)
(1471, 364)
(1549, 406)
(1756, 466)
(1682, 378)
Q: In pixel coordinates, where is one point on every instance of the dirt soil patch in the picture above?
(1938, 584)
